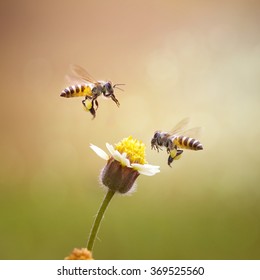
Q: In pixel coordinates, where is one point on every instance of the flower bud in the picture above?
(117, 177)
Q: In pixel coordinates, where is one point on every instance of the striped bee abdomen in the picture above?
(188, 143)
(76, 91)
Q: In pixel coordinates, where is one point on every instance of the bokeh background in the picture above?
(197, 59)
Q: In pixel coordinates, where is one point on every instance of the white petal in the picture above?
(146, 169)
(122, 158)
(110, 149)
(99, 152)
(117, 156)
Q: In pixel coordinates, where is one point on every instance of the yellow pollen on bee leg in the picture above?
(88, 105)
(173, 153)
(134, 149)
(178, 157)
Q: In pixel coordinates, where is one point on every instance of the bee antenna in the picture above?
(116, 86)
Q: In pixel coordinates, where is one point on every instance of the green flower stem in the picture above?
(100, 214)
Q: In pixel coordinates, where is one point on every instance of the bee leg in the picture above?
(169, 146)
(178, 154)
(158, 149)
(170, 160)
(91, 109)
(115, 100)
(155, 147)
(84, 102)
(93, 112)
(176, 157)
(96, 103)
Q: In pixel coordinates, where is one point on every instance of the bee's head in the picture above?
(108, 89)
(157, 134)
(154, 141)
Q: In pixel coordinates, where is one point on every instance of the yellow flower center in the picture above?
(134, 149)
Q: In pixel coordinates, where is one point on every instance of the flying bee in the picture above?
(176, 140)
(89, 88)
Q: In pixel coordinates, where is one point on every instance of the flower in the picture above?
(80, 254)
(126, 163)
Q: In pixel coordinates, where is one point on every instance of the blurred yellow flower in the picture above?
(80, 254)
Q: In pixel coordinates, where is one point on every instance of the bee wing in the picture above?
(194, 132)
(72, 79)
(79, 73)
(180, 126)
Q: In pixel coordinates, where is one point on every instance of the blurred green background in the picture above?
(197, 59)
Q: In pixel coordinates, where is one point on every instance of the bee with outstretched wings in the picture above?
(176, 140)
(89, 88)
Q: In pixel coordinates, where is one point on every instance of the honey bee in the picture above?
(89, 88)
(175, 141)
